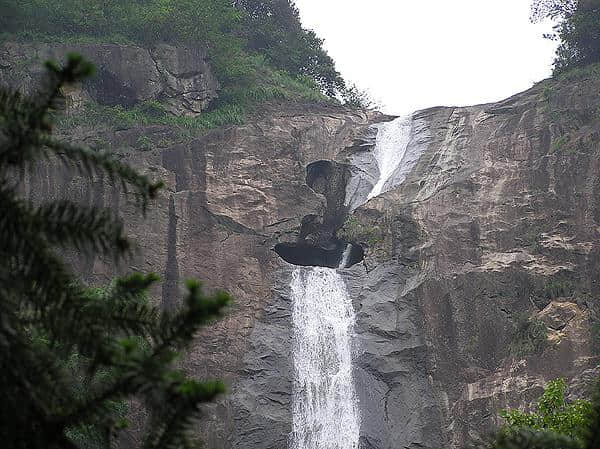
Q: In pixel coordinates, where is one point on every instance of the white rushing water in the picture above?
(345, 256)
(390, 148)
(325, 408)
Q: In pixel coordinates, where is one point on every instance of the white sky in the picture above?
(413, 54)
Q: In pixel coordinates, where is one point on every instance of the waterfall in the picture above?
(390, 148)
(345, 256)
(325, 408)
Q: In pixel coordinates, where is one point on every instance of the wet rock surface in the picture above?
(317, 243)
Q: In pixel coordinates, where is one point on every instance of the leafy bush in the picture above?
(354, 96)
(272, 28)
(354, 231)
(558, 288)
(147, 113)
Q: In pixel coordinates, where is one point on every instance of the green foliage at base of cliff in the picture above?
(553, 413)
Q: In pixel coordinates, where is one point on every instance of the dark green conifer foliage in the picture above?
(124, 347)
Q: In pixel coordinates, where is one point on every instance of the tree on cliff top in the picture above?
(122, 346)
(577, 30)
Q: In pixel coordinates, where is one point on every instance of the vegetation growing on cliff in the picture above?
(554, 413)
(258, 48)
(354, 231)
(531, 337)
(153, 112)
(577, 30)
(68, 358)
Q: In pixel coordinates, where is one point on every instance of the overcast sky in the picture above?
(413, 54)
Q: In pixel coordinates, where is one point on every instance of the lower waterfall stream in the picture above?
(325, 408)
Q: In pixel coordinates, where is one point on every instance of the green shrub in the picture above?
(577, 30)
(152, 113)
(557, 288)
(554, 413)
(353, 230)
(144, 143)
(531, 337)
(559, 143)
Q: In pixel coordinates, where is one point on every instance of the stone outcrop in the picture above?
(497, 220)
(180, 78)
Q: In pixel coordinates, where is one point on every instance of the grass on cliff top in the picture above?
(247, 81)
(579, 73)
(30, 36)
(231, 108)
(150, 113)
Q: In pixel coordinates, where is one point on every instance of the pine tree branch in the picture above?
(40, 296)
(180, 328)
(25, 121)
(169, 429)
(140, 374)
(85, 228)
(40, 385)
(593, 435)
(92, 163)
(19, 134)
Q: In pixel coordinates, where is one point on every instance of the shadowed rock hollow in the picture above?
(309, 255)
(317, 243)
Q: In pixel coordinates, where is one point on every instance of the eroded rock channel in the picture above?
(317, 243)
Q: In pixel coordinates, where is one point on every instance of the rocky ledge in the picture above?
(181, 78)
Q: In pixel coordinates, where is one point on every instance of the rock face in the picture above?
(496, 224)
(496, 221)
(180, 78)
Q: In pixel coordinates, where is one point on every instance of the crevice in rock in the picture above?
(330, 178)
(170, 286)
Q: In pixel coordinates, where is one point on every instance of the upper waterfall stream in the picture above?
(325, 408)
(390, 148)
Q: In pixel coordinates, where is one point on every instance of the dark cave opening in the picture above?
(318, 175)
(317, 244)
(341, 255)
